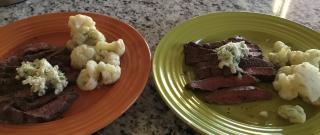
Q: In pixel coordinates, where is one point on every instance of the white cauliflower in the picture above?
(264, 114)
(81, 55)
(280, 54)
(83, 31)
(295, 114)
(88, 44)
(312, 56)
(299, 80)
(88, 77)
(110, 52)
(108, 57)
(117, 47)
(110, 73)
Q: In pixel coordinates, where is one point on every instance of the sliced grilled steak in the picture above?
(214, 83)
(50, 111)
(33, 102)
(56, 56)
(55, 108)
(253, 62)
(236, 95)
(196, 49)
(193, 59)
(5, 98)
(214, 70)
(220, 86)
(264, 74)
(204, 60)
(17, 103)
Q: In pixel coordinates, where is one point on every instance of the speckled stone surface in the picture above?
(153, 18)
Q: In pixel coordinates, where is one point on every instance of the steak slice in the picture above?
(236, 95)
(214, 70)
(50, 111)
(4, 98)
(193, 59)
(254, 62)
(33, 48)
(55, 108)
(33, 102)
(196, 49)
(214, 83)
(264, 74)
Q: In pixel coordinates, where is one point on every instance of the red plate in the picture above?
(92, 110)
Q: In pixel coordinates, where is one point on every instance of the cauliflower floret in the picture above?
(83, 31)
(81, 23)
(302, 80)
(264, 114)
(117, 47)
(295, 114)
(85, 81)
(108, 57)
(312, 56)
(88, 77)
(296, 57)
(110, 73)
(280, 54)
(91, 67)
(110, 52)
(283, 85)
(81, 55)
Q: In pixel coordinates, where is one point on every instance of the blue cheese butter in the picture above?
(40, 74)
(229, 55)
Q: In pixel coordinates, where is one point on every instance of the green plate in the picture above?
(171, 74)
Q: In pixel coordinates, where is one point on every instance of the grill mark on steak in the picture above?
(254, 62)
(193, 48)
(193, 59)
(34, 101)
(55, 108)
(203, 73)
(236, 95)
(50, 111)
(264, 74)
(218, 82)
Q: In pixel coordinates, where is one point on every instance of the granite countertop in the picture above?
(153, 18)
